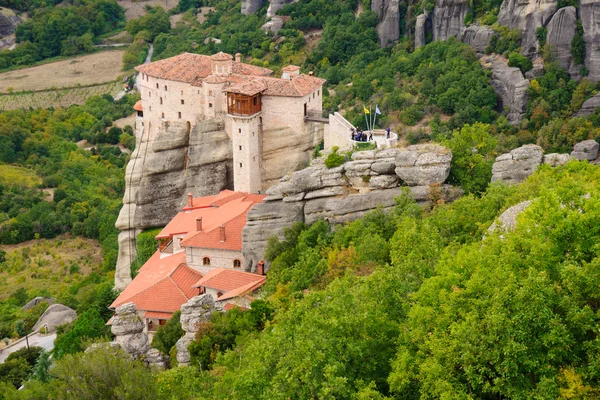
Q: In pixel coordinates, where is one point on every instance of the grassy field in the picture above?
(56, 98)
(85, 70)
(48, 264)
(14, 175)
(135, 9)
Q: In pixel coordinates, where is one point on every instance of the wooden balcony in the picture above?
(243, 105)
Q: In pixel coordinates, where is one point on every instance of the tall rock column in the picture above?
(449, 18)
(388, 13)
(252, 6)
(589, 12)
(561, 29)
(422, 26)
(197, 310)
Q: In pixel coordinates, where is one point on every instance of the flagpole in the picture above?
(375, 117)
(370, 119)
(366, 121)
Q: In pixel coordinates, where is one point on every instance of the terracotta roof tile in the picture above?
(290, 68)
(231, 306)
(298, 86)
(225, 280)
(157, 315)
(138, 106)
(220, 56)
(248, 288)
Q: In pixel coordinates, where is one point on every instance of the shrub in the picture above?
(168, 334)
(517, 60)
(334, 159)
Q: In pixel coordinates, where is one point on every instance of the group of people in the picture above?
(360, 136)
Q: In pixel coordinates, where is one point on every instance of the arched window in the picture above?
(237, 264)
(161, 100)
(157, 85)
(206, 261)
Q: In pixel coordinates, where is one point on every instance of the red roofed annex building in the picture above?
(260, 112)
(199, 251)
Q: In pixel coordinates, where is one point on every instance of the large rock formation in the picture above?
(589, 106)
(527, 16)
(422, 26)
(276, 5)
(517, 165)
(478, 37)
(449, 18)
(586, 150)
(507, 221)
(252, 6)
(388, 13)
(128, 328)
(342, 194)
(8, 22)
(589, 12)
(54, 316)
(561, 29)
(161, 172)
(34, 302)
(197, 310)
(511, 87)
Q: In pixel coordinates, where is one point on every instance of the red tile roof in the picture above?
(220, 56)
(231, 306)
(298, 86)
(227, 209)
(163, 284)
(157, 315)
(290, 68)
(194, 68)
(138, 106)
(229, 280)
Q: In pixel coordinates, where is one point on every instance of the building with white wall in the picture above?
(191, 87)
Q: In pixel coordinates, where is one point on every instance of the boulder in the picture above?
(155, 358)
(507, 221)
(54, 316)
(197, 310)
(422, 26)
(511, 87)
(449, 18)
(556, 159)
(517, 165)
(561, 29)
(252, 6)
(34, 302)
(274, 25)
(388, 29)
(383, 182)
(423, 164)
(589, 106)
(8, 22)
(478, 37)
(586, 150)
(589, 12)
(527, 16)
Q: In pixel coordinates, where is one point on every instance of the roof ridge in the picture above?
(146, 289)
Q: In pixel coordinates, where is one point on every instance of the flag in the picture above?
(366, 111)
(377, 110)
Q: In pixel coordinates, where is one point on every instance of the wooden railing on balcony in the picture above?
(240, 104)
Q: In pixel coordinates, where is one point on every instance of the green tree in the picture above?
(167, 335)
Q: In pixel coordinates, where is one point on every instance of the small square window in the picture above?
(313, 95)
(182, 102)
(179, 114)
(209, 105)
(318, 92)
(161, 100)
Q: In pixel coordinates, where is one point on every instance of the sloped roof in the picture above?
(228, 210)
(163, 284)
(229, 280)
(298, 86)
(193, 68)
(138, 106)
(290, 68)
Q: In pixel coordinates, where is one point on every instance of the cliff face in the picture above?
(388, 29)
(527, 16)
(159, 175)
(252, 6)
(561, 29)
(449, 18)
(372, 179)
(589, 12)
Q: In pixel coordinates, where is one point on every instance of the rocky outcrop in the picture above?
(371, 180)
(128, 328)
(589, 12)
(527, 16)
(54, 316)
(586, 150)
(8, 22)
(449, 18)
(34, 302)
(556, 159)
(252, 6)
(589, 106)
(276, 5)
(197, 310)
(560, 31)
(159, 175)
(517, 165)
(274, 25)
(478, 37)
(422, 26)
(507, 221)
(130, 335)
(510, 86)
(388, 14)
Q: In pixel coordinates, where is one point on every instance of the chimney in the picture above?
(190, 201)
(199, 224)
(310, 73)
(222, 232)
(238, 57)
(260, 267)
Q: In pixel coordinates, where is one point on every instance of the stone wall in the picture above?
(372, 179)
(218, 258)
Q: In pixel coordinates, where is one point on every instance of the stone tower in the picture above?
(246, 138)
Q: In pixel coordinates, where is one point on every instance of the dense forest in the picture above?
(419, 303)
